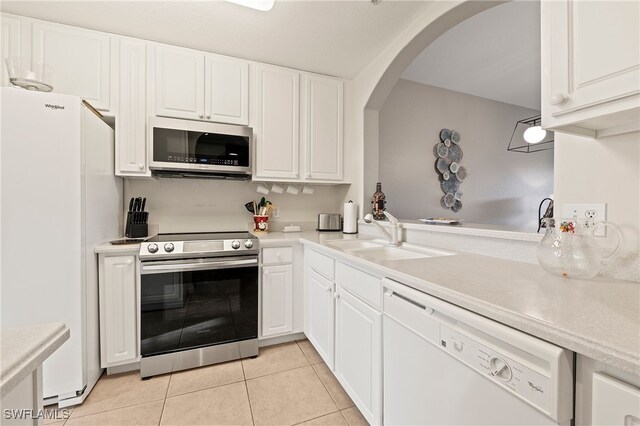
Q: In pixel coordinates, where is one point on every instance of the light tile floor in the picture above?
(286, 384)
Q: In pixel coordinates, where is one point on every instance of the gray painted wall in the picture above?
(503, 188)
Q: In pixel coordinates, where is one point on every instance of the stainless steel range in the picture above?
(198, 300)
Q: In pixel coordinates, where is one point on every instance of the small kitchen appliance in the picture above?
(198, 300)
(329, 222)
(196, 149)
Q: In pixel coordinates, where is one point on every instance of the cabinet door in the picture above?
(227, 90)
(10, 47)
(319, 315)
(131, 116)
(591, 62)
(322, 128)
(118, 310)
(179, 83)
(277, 299)
(80, 59)
(277, 123)
(359, 353)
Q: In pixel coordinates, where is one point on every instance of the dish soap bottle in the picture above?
(378, 202)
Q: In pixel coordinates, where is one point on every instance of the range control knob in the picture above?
(248, 244)
(235, 245)
(168, 247)
(500, 369)
(152, 248)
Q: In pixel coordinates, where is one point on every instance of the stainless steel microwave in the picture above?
(185, 148)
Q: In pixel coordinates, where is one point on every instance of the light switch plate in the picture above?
(592, 212)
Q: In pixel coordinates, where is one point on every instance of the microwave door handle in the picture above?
(200, 266)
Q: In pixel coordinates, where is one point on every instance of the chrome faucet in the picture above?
(391, 236)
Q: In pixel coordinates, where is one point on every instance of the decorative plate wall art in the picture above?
(451, 173)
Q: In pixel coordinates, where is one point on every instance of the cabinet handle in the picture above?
(558, 99)
(328, 289)
(140, 166)
(201, 115)
(129, 262)
(208, 116)
(336, 296)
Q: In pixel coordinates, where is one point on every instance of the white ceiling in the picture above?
(330, 37)
(494, 55)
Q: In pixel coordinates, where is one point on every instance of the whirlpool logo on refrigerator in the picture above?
(54, 107)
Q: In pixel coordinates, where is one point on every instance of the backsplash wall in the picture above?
(199, 205)
(503, 188)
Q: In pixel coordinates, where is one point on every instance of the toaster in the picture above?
(329, 222)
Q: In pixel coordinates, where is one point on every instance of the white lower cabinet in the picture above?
(281, 300)
(344, 329)
(358, 353)
(277, 300)
(118, 286)
(319, 315)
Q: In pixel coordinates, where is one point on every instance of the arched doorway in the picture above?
(373, 84)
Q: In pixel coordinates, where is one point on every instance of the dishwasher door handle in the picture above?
(425, 309)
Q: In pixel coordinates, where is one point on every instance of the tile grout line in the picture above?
(308, 420)
(325, 388)
(112, 409)
(278, 372)
(246, 388)
(164, 401)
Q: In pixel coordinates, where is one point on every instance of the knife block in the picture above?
(135, 230)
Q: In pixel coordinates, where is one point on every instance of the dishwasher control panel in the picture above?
(530, 385)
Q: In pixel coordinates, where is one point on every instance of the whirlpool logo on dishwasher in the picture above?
(53, 107)
(535, 388)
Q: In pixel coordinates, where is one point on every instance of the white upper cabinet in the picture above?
(277, 122)
(201, 86)
(80, 59)
(10, 47)
(322, 128)
(591, 66)
(179, 82)
(131, 115)
(227, 90)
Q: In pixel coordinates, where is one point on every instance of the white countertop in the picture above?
(23, 349)
(598, 318)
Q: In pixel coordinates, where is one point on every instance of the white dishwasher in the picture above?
(444, 365)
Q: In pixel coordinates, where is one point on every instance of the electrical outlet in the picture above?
(593, 212)
(276, 212)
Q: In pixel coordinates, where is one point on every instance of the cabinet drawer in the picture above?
(321, 263)
(361, 284)
(273, 255)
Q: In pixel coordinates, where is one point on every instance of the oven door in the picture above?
(193, 303)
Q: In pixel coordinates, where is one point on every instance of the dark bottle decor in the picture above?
(378, 202)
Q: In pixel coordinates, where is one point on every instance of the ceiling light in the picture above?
(534, 134)
(262, 5)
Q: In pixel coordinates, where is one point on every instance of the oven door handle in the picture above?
(199, 266)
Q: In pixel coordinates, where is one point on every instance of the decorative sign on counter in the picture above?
(451, 174)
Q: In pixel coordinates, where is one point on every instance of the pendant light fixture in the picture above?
(529, 136)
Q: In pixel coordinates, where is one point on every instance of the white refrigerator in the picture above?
(59, 199)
